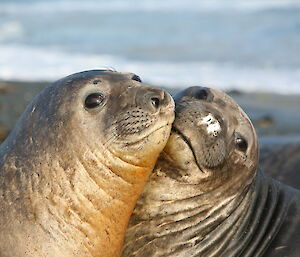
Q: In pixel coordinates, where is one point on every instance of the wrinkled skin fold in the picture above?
(206, 196)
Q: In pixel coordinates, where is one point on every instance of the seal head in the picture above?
(216, 133)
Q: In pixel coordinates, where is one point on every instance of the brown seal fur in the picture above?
(74, 165)
(206, 196)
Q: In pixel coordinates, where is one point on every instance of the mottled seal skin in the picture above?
(282, 162)
(74, 165)
(206, 196)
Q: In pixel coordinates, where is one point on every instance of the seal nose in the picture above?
(197, 92)
(154, 100)
(200, 93)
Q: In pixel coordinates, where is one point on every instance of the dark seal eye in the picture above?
(94, 100)
(241, 144)
(155, 102)
(136, 78)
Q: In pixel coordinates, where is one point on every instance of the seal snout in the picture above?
(154, 100)
(196, 92)
(201, 93)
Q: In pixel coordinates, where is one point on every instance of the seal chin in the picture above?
(139, 142)
(143, 150)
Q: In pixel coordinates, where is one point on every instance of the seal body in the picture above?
(282, 162)
(74, 165)
(206, 196)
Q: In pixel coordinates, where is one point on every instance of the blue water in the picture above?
(248, 45)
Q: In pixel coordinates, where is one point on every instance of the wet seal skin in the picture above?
(77, 160)
(206, 195)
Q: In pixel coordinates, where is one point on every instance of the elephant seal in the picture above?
(282, 162)
(206, 195)
(76, 162)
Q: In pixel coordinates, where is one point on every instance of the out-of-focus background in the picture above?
(251, 49)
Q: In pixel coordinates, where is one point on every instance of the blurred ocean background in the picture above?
(230, 44)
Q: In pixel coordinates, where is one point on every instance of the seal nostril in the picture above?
(136, 78)
(155, 102)
(201, 94)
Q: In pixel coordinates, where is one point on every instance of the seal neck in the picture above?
(105, 199)
(250, 228)
(82, 188)
(242, 225)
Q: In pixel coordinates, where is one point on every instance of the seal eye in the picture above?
(241, 144)
(94, 100)
(136, 78)
(155, 102)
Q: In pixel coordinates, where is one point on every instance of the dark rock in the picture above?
(282, 162)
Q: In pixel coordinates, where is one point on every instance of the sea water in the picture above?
(229, 44)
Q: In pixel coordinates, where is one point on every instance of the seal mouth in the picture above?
(144, 137)
(188, 142)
